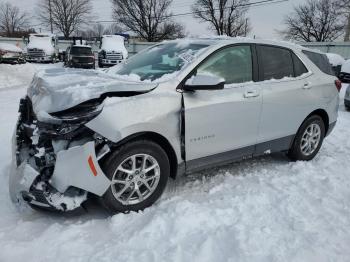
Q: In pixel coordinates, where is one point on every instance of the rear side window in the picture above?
(321, 61)
(275, 62)
(299, 67)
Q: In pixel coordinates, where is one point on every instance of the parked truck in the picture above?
(112, 50)
(79, 55)
(41, 48)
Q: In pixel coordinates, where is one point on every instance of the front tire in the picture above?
(139, 172)
(308, 140)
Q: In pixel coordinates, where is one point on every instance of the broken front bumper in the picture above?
(51, 173)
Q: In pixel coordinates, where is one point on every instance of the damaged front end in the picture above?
(55, 161)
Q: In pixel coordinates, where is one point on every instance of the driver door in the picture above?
(222, 125)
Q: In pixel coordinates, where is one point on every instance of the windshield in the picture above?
(159, 61)
(81, 51)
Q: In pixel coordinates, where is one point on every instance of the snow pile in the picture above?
(335, 59)
(265, 209)
(346, 67)
(16, 75)
(10, 48)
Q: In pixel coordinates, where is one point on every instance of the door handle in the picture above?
(251, 93)
(307, 85)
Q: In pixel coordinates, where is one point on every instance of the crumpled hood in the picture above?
(55, 90)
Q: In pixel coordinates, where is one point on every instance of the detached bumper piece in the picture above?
(34, 162)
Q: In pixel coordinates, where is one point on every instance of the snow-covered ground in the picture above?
(266, 209)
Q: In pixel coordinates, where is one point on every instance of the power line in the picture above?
(254, 4)
(258, 3)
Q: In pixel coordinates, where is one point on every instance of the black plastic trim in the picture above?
(277, 145)
(332, 125)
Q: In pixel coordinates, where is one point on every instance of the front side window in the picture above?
(159, 62)
(234, 64)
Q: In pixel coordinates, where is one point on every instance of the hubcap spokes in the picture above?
(135, 179)
(310, 139)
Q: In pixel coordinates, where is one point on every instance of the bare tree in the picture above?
(316, 20)
(344, 9)
(98, 30)
(113, 29)
(65, 15)
(12, 19)
(226, 17)
(149, 19)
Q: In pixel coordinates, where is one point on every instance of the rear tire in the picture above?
(139, 172)
(308, 139)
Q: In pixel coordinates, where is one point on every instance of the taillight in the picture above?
(338, 84)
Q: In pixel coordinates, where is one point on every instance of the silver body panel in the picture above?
(210, 123)
(72, 169)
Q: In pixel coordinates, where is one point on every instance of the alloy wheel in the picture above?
(135, 179)
(310, 139)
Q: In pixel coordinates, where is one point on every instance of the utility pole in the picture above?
(50, 16)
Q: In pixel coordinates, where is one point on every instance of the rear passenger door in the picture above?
(286, 86)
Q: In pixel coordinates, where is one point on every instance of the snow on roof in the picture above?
(223, 40)
(10, 48)
(335, 59)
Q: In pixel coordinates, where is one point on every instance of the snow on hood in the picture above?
(44, 43)
(58, 89)
(10, 48)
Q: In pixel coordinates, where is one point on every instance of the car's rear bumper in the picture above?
(83, 65)
(12, 60)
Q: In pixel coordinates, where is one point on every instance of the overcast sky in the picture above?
(265, 19)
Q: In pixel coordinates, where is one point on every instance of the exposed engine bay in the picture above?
(38, 147)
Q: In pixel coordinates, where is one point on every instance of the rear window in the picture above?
(276, 63)
(321, 61)
(81, 50)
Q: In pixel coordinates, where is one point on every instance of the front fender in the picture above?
(122, 117)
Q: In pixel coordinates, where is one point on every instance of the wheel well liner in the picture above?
(323, 114)
(161, 141)
(319, 112)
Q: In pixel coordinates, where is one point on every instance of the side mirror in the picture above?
(204, 82)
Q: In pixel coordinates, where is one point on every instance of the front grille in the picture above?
(36, 52)
(114, 56)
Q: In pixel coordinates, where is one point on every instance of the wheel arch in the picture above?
(161, 141)
(323, 114)
(318, 112)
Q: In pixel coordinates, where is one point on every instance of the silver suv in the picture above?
(178, 107)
